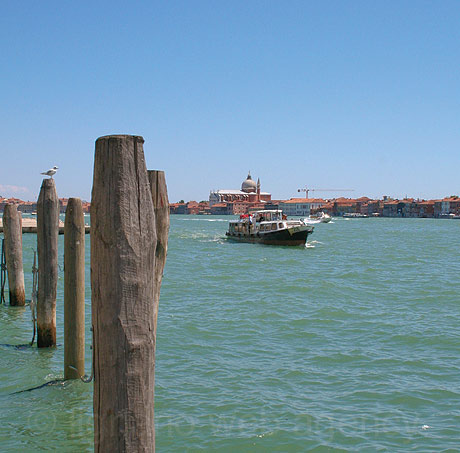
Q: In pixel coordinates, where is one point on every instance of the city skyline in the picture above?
(329, 95)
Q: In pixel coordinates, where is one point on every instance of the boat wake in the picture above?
(313, 244)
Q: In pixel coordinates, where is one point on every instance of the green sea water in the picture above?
(349, 344)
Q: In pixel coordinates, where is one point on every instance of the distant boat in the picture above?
(319, 217)
(355, 215)
(269, 227)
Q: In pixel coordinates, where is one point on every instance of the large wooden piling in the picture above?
(74, 290)
(123, 242)
(47, 247)
(12, 224)
(161, 209)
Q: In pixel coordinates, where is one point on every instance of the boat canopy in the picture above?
(262, 216)
(269, 215)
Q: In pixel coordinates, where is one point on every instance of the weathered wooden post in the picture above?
(161, 209)
(47, 246)
(12, 230)
(74, 290)
(123, 241)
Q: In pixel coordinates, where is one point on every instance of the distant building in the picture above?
(238, 207)
(63, 202)
(250, 193)
(426, 208)
(450, 205)
(86, 206)
(219, 209)
(28, 207)
(193, 207)
(341, 206)
(300, 206)
(177, 208)
(390, 208)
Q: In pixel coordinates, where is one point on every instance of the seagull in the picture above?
(50, 172)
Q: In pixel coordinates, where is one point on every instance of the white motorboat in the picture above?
(319, 217)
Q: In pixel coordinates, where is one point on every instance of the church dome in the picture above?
(249, 185)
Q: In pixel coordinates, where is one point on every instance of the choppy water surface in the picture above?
(349, 344)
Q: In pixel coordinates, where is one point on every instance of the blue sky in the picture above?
(326, 94)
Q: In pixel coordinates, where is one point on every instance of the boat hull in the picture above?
(283, 237)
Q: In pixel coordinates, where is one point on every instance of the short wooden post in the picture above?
(47, 247)
(161, 209)
(12, 227)
(123, 242)
(74, 290)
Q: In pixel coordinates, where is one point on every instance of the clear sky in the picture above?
(323, 94)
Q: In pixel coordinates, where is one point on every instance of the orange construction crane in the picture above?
(322, 190)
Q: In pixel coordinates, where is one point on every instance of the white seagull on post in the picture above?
(50, 172)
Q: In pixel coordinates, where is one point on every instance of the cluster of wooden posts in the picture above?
(129, 237)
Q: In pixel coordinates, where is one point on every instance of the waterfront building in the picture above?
(450, 205)
(5, 201)
(250, 192)
(272, 205)
(341, 206)
(238, 207)
(219, 209)
(345, 206)
(426, 208)
(63, 205)
(28, 207)
(390, 208)
(177, 208)
(193, 207)
(300, 206)
(372, 207)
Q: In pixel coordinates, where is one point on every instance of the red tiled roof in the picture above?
(391, 202)
(346, 202)
(295, 200)
(303, 200)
